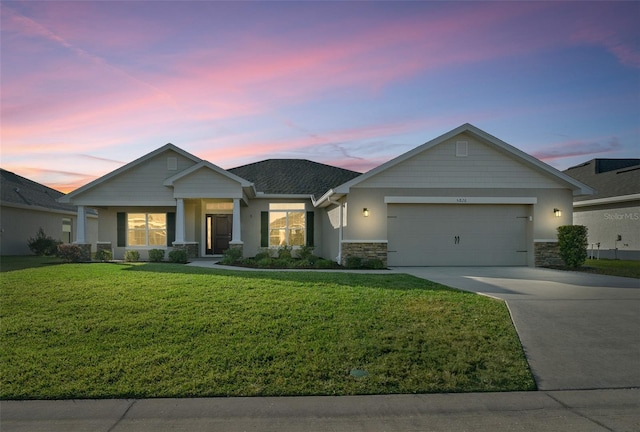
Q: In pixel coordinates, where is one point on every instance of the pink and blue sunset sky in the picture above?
(89, 86)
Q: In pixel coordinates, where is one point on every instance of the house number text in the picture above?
(461, 200)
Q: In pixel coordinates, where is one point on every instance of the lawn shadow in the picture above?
(10, 263)
(381, 280)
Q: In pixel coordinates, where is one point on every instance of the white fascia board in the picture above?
(283, 196)
(577, 187)
(609, 200)
(45, 209)
(69, 197)
(364, 241)
(458, 200)
(212, 195)
(209, 165)
(120, 203)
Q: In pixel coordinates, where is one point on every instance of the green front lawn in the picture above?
(625, 268)
(166, 330)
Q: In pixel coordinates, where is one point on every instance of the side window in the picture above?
(66, 230)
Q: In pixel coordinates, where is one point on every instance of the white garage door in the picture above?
(457, 235)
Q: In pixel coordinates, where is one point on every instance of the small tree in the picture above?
(42, 244)
(572, 242)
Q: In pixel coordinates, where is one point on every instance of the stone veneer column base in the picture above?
(547, 254)
(364, 250)
(104, 246)
(86, 251)
(190, 247)
(237, 245)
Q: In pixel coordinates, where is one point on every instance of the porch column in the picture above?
(81, 226)
(179, 220)
(235, 234)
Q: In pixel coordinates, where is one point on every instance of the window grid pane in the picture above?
(147, 229)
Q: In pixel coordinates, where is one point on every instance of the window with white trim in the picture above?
(287, 224)
(146, 229)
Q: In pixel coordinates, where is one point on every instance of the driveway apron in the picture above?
(578, 331)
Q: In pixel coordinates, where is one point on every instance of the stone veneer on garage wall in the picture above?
(364, 250)
(547, 254)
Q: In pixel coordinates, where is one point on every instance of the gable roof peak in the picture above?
(577, 187)
(169, 146)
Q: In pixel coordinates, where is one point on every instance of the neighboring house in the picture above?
(26, 206)
(612, 214)
(464, 198)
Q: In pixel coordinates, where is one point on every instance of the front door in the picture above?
(218, 233)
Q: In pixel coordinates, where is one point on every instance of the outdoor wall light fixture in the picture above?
(365, 212)
(557, 212)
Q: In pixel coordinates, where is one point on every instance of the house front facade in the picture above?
(464, 198)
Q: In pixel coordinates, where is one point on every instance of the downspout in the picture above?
(339, 257)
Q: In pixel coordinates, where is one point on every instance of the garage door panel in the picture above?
(433, 234)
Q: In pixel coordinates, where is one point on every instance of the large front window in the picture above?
(147, 229)
(286, 224)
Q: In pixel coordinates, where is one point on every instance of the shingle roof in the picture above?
(16, 189)
(609, 177)
(293, 176)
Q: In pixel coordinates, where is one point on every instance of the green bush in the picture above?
(353, 262)
(326, 264)
(374, 264)
(71, 253)
(231, 256)
(305, 252)
(104, 255)
(261, 255)
(132, 256)
(178, 256)
(156, 255)
(42, 244)
(284, 252)
(572, 242)
(264, 262)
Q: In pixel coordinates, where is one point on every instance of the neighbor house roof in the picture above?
(611, 178)
(293, 176)
(21, 192)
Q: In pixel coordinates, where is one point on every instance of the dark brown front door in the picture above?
(218, 233)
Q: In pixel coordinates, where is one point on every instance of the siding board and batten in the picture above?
(482, 167)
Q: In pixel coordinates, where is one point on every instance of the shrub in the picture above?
(284, 252)
(261, 255)
(374, 264)
(305, 252)
(178, 256)
(264, 262)
(572, 242)
(231, 256)
(104, 255)
(42, 244)
(156, 255)
(70, 253)
(132, 256)
(353, 262)
(325, 264)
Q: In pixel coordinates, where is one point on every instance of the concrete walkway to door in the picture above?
(578, 330)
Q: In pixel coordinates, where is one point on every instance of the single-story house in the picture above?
(612, 214)
(463, 198)
(26, 206)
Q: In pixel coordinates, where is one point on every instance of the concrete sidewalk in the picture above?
(566, 411)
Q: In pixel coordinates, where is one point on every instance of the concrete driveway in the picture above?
(579, 331)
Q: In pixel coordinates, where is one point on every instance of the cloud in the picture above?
(575, 148)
